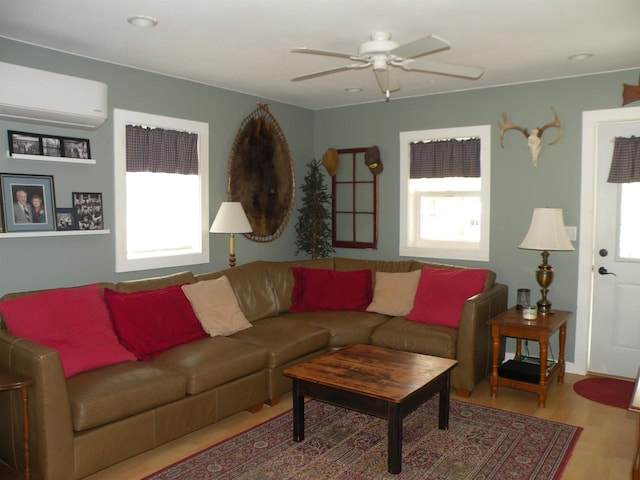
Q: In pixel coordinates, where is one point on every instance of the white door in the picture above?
(615, 325)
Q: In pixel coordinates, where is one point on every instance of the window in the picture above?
(161, 216)
(445, 216)
(354, 202)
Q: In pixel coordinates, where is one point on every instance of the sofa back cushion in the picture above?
(321, 289)
(154, 283)
(151, 322)
(73, 321)
(282, 280)
(349, 264)
(252, 288)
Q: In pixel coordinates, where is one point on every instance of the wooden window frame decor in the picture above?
(355, 173)
(260, 175)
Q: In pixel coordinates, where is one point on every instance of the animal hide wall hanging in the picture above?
(630, 93)
(260, 175)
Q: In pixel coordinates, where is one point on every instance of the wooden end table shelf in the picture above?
(10, 380)
(511, 324)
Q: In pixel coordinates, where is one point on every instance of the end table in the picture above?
(10, 380)
(510, 323)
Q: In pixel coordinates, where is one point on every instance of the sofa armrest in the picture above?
(51, 430)
(474, 339)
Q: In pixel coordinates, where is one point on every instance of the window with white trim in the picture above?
(444, 216)
(161, 191)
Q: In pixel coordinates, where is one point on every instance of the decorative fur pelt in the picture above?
(261, 175)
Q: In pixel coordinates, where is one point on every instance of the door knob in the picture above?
(603, 252)
(603, 271)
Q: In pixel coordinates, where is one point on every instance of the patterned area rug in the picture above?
(481, 443)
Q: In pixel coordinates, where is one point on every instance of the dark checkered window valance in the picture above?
(625, 163)
(161, 151)
(445, 158)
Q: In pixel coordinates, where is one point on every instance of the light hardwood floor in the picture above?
(605, 449)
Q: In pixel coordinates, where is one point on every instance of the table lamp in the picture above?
(546, 232)
(231, 219)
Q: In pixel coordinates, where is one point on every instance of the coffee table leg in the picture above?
(394, 459)
(443, 413)
(298, 411)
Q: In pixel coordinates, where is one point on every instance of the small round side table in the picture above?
(10, 380)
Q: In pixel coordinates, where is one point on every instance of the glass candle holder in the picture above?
(530, 312)
(524, 298)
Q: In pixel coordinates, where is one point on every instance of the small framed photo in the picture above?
(66, 219)
(51, 146)
(32, 202)
(88, 207)
(76, 148)
(24, 143)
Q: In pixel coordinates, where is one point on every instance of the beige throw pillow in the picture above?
(216, 306)
(394, 293)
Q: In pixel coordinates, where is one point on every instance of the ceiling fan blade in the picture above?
(420, 47)
(326, 53)
(449, 69)
(387, 80)
(328, 72)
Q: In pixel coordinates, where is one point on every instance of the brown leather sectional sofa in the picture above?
(92, 420)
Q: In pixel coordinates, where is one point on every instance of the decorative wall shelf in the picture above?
(62, 233)
(45, 158)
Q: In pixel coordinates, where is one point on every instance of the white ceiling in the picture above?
(244, 45)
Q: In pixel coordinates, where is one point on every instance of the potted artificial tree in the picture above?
(313, 229)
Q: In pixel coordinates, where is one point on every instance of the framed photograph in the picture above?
(76, 148)
(51, 146)
(88, 207)
(29, 202)
(24, 143)
(66, 219)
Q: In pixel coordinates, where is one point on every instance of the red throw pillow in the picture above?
(73, 321)
(442, 292)
(153, 321)
(320, 289)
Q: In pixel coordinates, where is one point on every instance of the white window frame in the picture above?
(408, 248)
(121, 118)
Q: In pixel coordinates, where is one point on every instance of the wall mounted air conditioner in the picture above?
(31, 95)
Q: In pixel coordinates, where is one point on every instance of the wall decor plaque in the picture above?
(260, 175)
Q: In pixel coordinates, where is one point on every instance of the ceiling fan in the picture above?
(382, 53)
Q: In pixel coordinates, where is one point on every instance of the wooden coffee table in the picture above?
(377, 381)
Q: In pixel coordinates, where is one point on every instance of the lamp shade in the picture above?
(547, 231)
(231, 219)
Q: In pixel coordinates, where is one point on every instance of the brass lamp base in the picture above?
(544, 276)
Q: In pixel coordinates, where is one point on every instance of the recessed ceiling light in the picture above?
(353, 89)
(142, 21)
(580, 56)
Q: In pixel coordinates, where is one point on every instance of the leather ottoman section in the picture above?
(401, 334)
(118, 391)
(210, 362)
(346, 327)
(285, 338)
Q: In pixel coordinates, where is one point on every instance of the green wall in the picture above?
(45, 262)
(517, 186)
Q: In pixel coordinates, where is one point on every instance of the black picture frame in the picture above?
(21, 192)
(24, 143)
(51, 146)
(66, 219)
(76, 148)
(89, 209)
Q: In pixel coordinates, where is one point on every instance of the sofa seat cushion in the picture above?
(214, 361)
(111, 393)
(402, 334)
(345, 326)
(285, 339)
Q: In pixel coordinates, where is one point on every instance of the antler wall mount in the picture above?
(534, 137)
